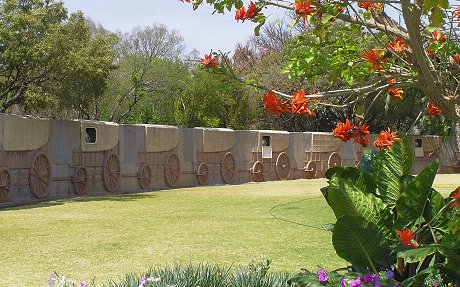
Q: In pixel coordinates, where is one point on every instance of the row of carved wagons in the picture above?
(48, 159)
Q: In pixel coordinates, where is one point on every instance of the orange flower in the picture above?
(374, 57)
(386, 139)
(361, 138)
(456, 196)
(397, 46)
(369, 6)
(396, 94)
(299, 104)
(240, 14)
(273, 104)
(456, 58)
(438, 36)
(391, 81)
(345, 131)
(429, 52)
(209, 61)
(406, 237)
(253, 11)
(433, 110)
(303, 8)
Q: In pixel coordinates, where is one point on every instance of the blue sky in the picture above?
(200, 29)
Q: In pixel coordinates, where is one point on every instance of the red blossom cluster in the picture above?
(386, 139)
(369, 6)
(456, 196)
(407, 237)
(433, 110)
(297, 105)
(245, 14)
(456, 58)
(396, 93)
(304, 8)
(438, 36)
(398, 46)
(209, 61)
(347, 131)
(375, 57)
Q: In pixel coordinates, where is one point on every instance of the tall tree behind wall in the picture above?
(50, 63)
(146, 82)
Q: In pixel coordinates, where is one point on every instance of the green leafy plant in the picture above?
(391, 221)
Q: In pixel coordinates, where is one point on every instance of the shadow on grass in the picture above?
(120, 197)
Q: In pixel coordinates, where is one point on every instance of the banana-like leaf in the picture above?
(349, 194)
(419, 254)
(359, 241)
(366, 163)
(389, 167)
(413, 201)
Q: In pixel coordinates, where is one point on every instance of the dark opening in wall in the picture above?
(418, 142)
(90, 136)
(266, 141)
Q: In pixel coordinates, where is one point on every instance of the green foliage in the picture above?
(207, 276)
(213, 100)
(49, 61)
(359, 241)
(371, 206)
(331, 49)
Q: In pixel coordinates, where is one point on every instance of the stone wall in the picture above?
(53, 159)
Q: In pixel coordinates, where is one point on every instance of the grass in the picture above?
(108, 237)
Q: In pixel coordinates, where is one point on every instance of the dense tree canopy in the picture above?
(49, 60)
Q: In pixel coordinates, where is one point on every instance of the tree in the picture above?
(144, 85)
(49, 61)
(214, 100)
(417, 49)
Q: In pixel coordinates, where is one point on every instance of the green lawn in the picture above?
(107, 237)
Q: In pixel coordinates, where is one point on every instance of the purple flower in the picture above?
(50, 282)
(389, 274)
(142, 281)
(368, 278)
(378, 284)
(343, 283)
(435, 285)
(356, 283)
(322, 276)
(83, 284)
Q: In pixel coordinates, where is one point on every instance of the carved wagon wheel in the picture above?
(334, 160)
(257, 171)
(227, 168)
(111, 173)
(202, 173)
(80, 180)
(310, 170)
(283, 166)
(40, 176)
(145, 176)
(5, 185)
(172, 170)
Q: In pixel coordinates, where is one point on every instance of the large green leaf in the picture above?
(366, 163)
(413, 201)
(389, 167)
(349, 193)
(419, 254)
(359, 241)
(435, 204)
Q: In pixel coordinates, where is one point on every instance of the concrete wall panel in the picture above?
(216, 140)
(21, 133)
(161, 138)
(107, 136)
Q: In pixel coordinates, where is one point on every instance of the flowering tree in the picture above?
(417, 49)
